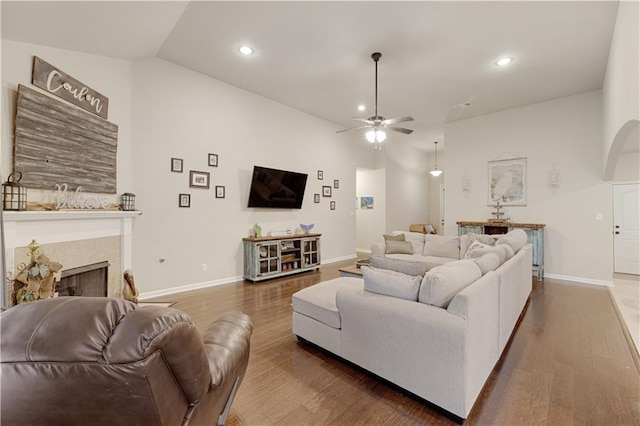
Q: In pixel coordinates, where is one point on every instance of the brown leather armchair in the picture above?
(104, 361)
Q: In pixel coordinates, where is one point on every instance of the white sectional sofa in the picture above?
(437, 336)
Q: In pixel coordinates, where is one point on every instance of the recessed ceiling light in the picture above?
(245, 50)
(503, 61)
(361, 107)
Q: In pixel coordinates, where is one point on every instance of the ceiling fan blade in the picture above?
(396, 120)
(363, 120)
(400, 129)
(353, 128)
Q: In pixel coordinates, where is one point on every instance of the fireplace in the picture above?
(89, 281)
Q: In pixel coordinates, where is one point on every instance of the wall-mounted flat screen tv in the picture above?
(276, 188)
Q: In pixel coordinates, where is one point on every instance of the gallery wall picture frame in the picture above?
(184, 200)
(336, 183)
(213, 160)
(220, 190)
(326, 191)
(320, 175)
(507, 182)
(332, 205)
(176, 165)
(366, 203)
(198, 179)
(316, 198)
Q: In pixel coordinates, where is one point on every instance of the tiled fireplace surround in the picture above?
(73, 238)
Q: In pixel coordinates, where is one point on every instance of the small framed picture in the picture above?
(316, 198)
(198, 179)
(332, 205)
(184, 200)
(219, 191)
(336, 183)
(213, 160)
(320, 175)
(176, 165)
(326, 191)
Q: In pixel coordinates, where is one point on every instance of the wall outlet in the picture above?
(599, 216)
(204, 266)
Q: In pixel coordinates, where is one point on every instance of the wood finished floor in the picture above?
(568, 363)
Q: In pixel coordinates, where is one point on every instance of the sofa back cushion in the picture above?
(467, 239)
(515, 238)
(416, 239)
(442, 283)
(393, 237)
(398, 247)
(403, 266)
(441, 246)
(487, 262)
(478, 249)
(391, 283)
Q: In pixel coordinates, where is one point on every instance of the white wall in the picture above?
(433, 187)
(180, 113)
(109, 76)
(566, 132)
(370, 223)
(407, 174)
(621, 85)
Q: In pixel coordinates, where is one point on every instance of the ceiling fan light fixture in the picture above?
(374, 136)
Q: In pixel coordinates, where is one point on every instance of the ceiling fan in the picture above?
(377, 123)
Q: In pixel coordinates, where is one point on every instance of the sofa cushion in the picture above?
(468, 239)
(507, 250)
(392, 237)
(416, 238)
(477, 249)
(441, 246)
(391, 283)
(429, 261)
(402, 247)
(487, 262)
(408, 267)
(441, 284)
(515, 238)
(319, 301)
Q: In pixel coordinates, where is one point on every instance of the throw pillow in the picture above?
(468, 239)
(477, 249)
(487, 262)
(507, 250)
(516, 239)
(393, 237)
(440, 285)
(403, 266)
(441, 246)
(391, 283)
(398, 247)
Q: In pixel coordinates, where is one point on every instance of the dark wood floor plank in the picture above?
(568, 362)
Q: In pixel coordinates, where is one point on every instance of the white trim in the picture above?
(579, 280)
(340, 259)
(30, 215)
(362, 250)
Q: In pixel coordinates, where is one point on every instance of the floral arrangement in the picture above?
(35, 280)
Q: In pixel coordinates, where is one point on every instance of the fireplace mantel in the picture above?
(52, 227)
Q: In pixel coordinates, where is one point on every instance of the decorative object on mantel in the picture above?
(77, 200)
(35, 280)
(129, 292)
(553, 179)
(307, 228)
(508, 181)
(497, 214)
(435, 172)
(14, 195)
(128, 202)
(54, 81)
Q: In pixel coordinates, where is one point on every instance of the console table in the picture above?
(535, 236)
(271, 257)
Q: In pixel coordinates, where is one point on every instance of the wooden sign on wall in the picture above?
(57, 143)
(51, 79)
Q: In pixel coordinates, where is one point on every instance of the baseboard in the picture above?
(188, 287)
(579, 280)
(339, 259)
(362, 250)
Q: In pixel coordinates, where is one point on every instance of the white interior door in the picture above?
(626, 228)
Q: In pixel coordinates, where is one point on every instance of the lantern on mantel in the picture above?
(128, 201)
(14, 195)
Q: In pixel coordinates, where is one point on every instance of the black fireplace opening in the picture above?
(89, 281)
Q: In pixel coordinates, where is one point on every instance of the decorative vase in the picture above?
(257, 231)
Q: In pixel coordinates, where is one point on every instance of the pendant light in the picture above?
(435, 172)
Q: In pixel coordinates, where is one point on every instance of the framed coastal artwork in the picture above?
(507, 182)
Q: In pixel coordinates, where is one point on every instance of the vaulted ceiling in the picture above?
(315, 56)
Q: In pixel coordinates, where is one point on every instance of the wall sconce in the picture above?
(14, 195)
(128, 202)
